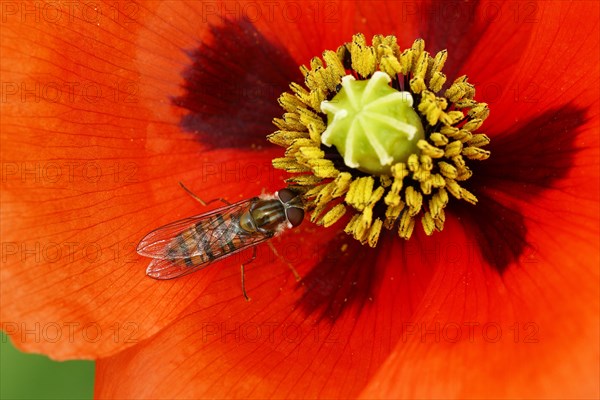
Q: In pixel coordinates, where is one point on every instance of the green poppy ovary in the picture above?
(371, 124)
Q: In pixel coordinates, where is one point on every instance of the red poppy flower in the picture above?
(106, 107)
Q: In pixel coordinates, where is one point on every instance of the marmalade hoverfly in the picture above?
(193, 243)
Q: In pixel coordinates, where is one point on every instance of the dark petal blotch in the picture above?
(232, 86)
(531, 158)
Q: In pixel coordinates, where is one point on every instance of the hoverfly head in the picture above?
(293, 205)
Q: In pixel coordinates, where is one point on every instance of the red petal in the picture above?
(531, 332)
(85, 177)
(284, 343)
(182, 362)
(545, 304)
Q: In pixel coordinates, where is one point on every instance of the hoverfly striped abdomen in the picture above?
(205, 241)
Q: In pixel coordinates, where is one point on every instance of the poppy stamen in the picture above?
(370, 135)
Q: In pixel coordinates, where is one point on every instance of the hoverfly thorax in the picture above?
(268, 215)
(271, 215)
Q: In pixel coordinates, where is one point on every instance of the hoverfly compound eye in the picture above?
(294, 215)
(285, 195)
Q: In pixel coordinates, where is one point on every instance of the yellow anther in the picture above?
(407, 224)
(333, 215)
(414, 200)
(453, 149)
(453, 187)
(428, 224)
(413, 163)
(479, 140)
(475, 153)
(468, 196)
(363, 56)
(359, 192)
(448, 170)
(342, 183)
(374, 232)
(323, 168)
(473, 124)
(431, 151)
(438, 139)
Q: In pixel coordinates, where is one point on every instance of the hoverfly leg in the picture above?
(290, 266)
(244, 274)
(199, 200)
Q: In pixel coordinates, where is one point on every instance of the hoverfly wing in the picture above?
(190, 244)
(164, 268)
(155, 244)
